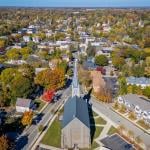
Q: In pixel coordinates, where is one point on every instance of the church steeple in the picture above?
(75, 83)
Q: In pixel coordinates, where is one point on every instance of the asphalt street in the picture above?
(117, 119)
(27, 139)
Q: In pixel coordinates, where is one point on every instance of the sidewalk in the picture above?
(44, 132)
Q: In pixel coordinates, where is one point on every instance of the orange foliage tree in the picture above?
(27, 118)
(4, 143)
(51, 79)
(104, 95)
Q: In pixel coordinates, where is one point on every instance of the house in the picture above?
(142, 81)
(23, 105)
(36, 39)
(116, 142)
(26, 38)
(138, 104)
(75, 131)
(16, 62)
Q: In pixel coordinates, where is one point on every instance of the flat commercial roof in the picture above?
(116, 142)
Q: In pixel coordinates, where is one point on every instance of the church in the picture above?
(76, 123)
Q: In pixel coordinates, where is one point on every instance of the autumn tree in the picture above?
(2, 44)
(27, 118)
(25, 52)
(13, 54)
(4, 143)
(51, 79)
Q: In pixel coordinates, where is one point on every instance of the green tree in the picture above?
(20, 87)
(101, 60)
(122, 86)
(118, 62)
(146, 91)
(13, 54)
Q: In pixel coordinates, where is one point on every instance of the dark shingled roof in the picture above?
(115, 142)
(76, 107)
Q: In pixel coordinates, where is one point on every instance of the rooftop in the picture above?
(134, 99)
(76, 107)
(23, 102)
(141, 80)
(116, 142)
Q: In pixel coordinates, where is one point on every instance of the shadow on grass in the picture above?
(92, 124)
(87, 97)
(21, 142)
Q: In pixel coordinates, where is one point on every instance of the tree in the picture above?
(122, 86)
(25, 52)
(2, 44)
(118, 62)
(27, 71)
(51, 79)
(132, 115)
(63, 66)
(121, 128)
(4, 143)
(123, 108)
(20, 87)
(14, 85)
(146, 91)
(129, 89)
(27, 118)
(40, 128)
(13, 54)
(138, 140)
(131, 135)
(115, 105)
(101, 60)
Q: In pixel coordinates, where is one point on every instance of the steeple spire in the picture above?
(75, 83)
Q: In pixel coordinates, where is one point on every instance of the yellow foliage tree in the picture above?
(4, 143)
(27, 118)
(2, 43)
(51, 79)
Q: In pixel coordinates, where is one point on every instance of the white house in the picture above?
(140, 105)
(16, 62)
(142, 81)
(26, 38)
(23, 105)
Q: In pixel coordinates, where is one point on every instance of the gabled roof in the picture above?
(76, 107)
(23, 102)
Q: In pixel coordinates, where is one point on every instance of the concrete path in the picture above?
(105, 130)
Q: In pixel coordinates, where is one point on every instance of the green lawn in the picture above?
(94, 145)
(53, 135)
(40, 104)
(100, 120)
(98, 132)
(112, 130)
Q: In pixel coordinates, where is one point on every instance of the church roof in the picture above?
(76, 107)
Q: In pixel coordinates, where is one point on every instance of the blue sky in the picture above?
(76, 3)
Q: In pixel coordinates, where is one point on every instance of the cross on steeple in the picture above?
(75, 83)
